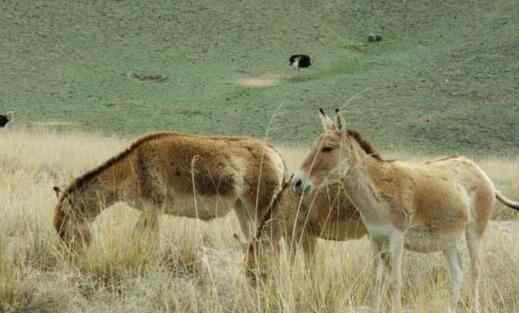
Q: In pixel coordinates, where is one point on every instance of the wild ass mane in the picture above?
(365, 145)
(88, 176)
(273, 206)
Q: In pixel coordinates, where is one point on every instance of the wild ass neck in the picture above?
(91, 198)
(359, 185)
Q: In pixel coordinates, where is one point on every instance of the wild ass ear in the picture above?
(339, 121)
(57, 190)
(243, 245)
(326, 121)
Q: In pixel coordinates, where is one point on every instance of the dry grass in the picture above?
(197, 267)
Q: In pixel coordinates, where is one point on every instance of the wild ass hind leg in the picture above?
(246, 219)
(452, 254)
(473, 237)
(146, 231)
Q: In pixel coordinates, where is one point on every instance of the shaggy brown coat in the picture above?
(179, 174)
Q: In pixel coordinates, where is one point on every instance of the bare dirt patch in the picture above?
(261, 80)
(53, 123)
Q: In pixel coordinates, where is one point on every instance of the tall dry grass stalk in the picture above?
(197, 267)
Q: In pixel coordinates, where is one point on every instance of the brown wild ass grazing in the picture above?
(184, 175)
(423, 207)
(327, 214)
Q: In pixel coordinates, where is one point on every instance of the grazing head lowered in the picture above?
(203, 177)
(71, 228)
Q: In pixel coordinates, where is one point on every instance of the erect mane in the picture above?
(365, 145)
(88, 176)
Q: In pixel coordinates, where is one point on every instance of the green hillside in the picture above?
(444, 79)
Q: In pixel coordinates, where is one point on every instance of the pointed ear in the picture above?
(326, 121)
(243, 245)
(57, 190)
(339, 121)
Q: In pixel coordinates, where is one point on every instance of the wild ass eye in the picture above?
(327, 149)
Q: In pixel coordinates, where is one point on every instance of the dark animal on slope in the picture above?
(5, 119)
(300, 61)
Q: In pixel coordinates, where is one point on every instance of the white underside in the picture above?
(417, 238)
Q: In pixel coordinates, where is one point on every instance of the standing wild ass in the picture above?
(422, 207)
(184, 175)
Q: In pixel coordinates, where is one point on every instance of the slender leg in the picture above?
(309, 245)
(396, 247)
(81, 236)
(452, 256)
(473, 238)
(245, 219)
(380, 275)
(147, 228)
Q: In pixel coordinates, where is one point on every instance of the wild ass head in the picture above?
(73, 231)
(332, 155)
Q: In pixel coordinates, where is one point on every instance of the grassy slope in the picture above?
(444, 79)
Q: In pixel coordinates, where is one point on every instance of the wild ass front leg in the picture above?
(309, 244)
(80, 236)
(396, 246)
(146, 229)
(246, 218)
(380, 272)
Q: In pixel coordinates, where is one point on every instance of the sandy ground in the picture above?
(261, 80)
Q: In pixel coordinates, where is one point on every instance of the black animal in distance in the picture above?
(5, 118)
(300, 61)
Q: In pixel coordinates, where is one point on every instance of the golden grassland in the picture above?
(197, 267)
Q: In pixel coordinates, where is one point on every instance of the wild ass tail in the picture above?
(509, 203)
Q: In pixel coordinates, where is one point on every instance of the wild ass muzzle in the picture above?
(201, 177)
(422, 207)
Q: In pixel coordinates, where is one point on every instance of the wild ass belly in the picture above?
(204, 207)
(340, 231)
(417, 238)
(421, 238)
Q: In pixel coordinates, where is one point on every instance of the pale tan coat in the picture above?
(423, 207)
(179, 174)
